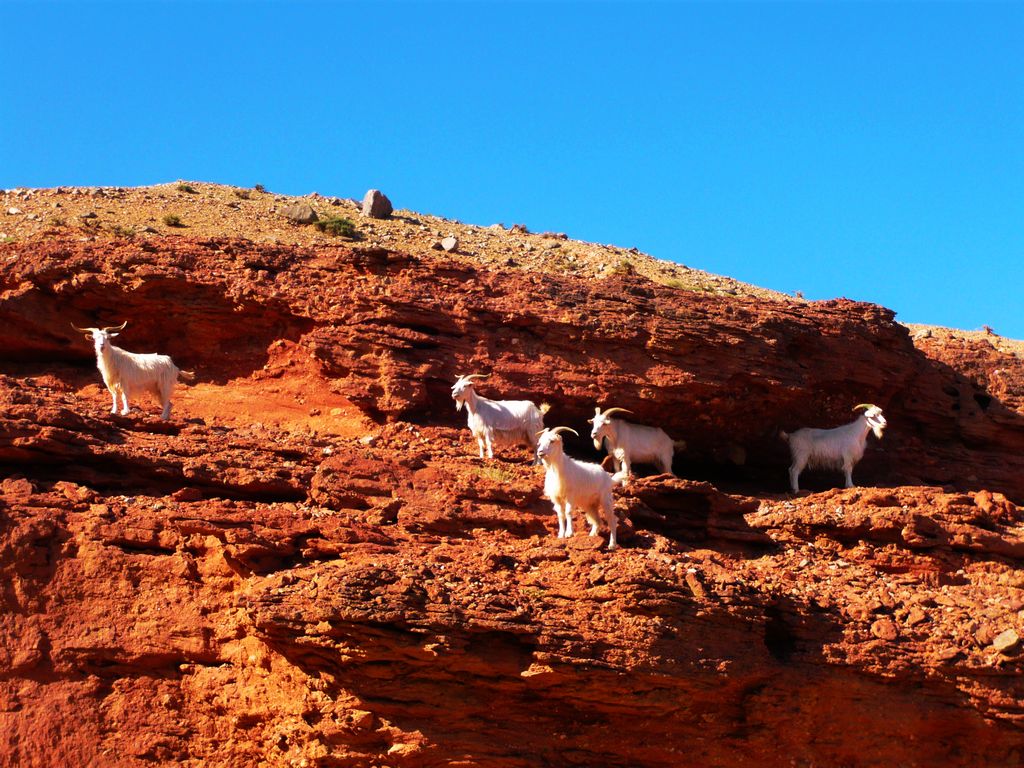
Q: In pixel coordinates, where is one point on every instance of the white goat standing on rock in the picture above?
(629, 442)
(838, 448)
(572, 484)
(498, 421)
(128, 373)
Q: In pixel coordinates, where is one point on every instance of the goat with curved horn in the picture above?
(491, 421)
(129, 373)
(628, 442)
(571, 484)
(837, 448)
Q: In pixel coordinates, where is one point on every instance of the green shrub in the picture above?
(260, 188)
(120, 231)
(187, 188)
(242, 193)
(337, 226)
(173, 220)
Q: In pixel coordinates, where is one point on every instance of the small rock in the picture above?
(376, 205)
(1007, 642)
(916, 616)
(361, 718)
(300, 213)
(884, 629)
(87, 215)
(984, 635)
(18, 488)
(32, 216)
(12, 211)
(450, 243)
(403, 750)
(368, 440)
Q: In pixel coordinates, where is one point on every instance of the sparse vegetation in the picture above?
(122, 231)
(495, 475)
(173, 220)
(57, 221)
(675, 282)
(242, 193)
(260, 188)
(624, 267)
(8, 239)
(187, 188)
(337, 226)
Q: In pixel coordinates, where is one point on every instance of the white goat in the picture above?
(572, 484)
(629, 442)
(127, 373)
(498, 421)
(838, 448)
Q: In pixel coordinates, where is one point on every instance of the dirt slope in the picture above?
(309, 566)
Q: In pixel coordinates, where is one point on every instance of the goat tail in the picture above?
(679, 445)
(187, 375)
(784, 435)
(545, 407)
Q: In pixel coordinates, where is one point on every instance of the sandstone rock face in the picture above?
(308, 564)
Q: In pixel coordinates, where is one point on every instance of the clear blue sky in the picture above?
(868, 150)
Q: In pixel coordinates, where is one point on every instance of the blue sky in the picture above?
(867, 150)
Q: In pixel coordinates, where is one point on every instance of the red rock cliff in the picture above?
(308, 565)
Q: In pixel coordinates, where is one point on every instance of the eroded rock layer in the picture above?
(308, 565)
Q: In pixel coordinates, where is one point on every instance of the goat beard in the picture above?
(458, 406)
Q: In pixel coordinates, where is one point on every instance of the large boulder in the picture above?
(300, 213)
(376, 205)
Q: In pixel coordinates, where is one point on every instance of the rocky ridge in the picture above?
(309, 566)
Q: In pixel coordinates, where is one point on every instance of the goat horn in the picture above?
(116, 327)
(865, 406)
(610, 411)
(83, 330)
(556, 430)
